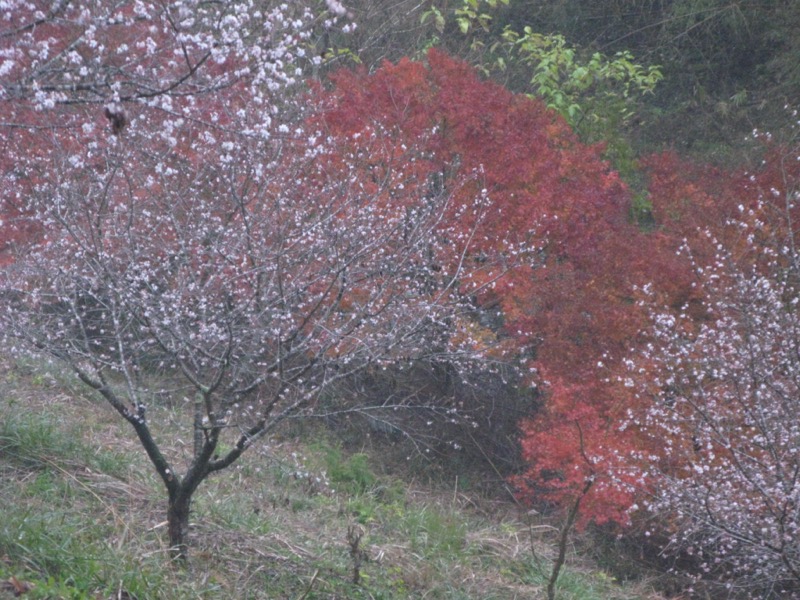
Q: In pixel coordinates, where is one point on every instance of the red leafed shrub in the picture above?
(573, 314)
(576, 313)
(572, 306)
(578, 436)
(547, 190)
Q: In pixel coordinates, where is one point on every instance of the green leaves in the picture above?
(597, 95)
(469, 16)
(437, 16)
(598, 87)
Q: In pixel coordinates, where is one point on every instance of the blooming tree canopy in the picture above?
(717, 393)
(174, 210)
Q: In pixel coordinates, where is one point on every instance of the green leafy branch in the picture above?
(598, 88)
(595, 93)
(469, 16)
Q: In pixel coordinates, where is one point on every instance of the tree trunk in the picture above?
(178, 524)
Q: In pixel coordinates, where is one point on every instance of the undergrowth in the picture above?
(81, 516)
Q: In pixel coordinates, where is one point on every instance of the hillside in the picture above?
(82, 517)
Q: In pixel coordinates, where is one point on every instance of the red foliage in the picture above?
(576, 314)
(546, 188)
(574, 306)
(579, 436)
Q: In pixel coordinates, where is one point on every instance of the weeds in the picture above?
(80, 519)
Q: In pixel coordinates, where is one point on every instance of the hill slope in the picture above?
(82, 517)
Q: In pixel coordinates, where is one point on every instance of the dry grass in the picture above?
(83, 517)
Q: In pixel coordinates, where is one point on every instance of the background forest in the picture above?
(543, 248)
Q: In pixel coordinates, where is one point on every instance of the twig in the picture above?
(310, 585)
(571, 517)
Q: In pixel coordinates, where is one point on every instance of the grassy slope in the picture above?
(81, 516)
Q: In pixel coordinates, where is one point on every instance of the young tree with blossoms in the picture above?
(717, 408)
(174, 211)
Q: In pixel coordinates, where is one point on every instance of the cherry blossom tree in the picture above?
(177, 225)
(720, 390)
